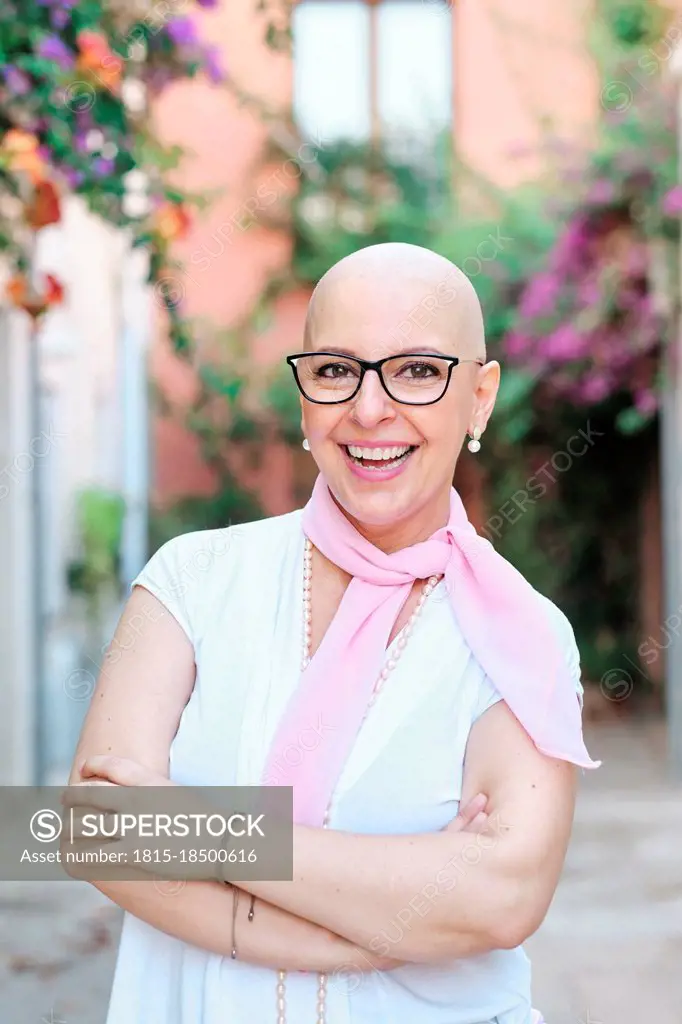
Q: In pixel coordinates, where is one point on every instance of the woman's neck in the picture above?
(419, 526)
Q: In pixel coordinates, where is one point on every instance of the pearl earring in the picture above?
(474, 444)
(306, 444)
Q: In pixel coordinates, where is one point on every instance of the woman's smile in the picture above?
(374, 460)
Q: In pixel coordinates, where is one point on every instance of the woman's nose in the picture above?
(371, 404)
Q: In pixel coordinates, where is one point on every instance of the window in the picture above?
(366, 70)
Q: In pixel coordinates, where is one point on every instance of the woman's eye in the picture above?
(420, 370)
(334, 370)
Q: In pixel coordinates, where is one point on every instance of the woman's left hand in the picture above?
(168, 856)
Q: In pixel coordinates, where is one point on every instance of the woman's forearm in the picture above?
(420, 898)
(200, 913)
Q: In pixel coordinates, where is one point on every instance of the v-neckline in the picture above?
(435, 593)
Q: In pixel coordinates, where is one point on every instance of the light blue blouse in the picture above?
(237, 593)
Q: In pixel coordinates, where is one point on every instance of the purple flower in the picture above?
(672, 202)
(73, 177)
(59, 18)
(207, 3)
(80, 141)
(102, 166)
(540, 296)
(52, 48)
(182, 31)
(212, 64)
(17, 81)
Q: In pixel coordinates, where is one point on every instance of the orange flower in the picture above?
(21, 150)
(35, 303)
(171, 221)
(16, 290)
(97, 60)
(44, 208)
(18, 141)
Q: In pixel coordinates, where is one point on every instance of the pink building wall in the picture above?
(516, 70)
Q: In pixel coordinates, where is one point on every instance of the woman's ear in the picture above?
(487, 387)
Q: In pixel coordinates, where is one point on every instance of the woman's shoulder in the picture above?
(193, 572)
(205, 547)
(561, 625)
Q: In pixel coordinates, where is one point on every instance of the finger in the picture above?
(472, 808)
(478, 824)
(103, 798)
(467, 813)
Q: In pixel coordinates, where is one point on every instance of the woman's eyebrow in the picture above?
(416, 350)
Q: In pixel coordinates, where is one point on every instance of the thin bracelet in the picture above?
(253, 901)
(235, 903)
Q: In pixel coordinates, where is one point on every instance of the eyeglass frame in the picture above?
(376, 365)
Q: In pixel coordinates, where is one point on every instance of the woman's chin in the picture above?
(384, 506)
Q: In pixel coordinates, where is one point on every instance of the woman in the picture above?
(439, 696)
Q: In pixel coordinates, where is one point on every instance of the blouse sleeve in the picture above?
(488, 694)
(569, 646)
(182, 574)
(162, 576)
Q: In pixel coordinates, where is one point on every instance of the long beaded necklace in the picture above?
(391, 663)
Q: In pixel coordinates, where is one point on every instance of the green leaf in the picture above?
(631, 421)
(516, 388)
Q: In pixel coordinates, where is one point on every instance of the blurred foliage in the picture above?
(99, 518)
(361, 195)
(230, 504)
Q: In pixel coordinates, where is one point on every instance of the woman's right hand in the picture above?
(472, 817)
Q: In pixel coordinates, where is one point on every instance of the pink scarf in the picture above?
(501, 616)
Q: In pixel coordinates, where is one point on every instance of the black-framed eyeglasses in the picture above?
(414, 378)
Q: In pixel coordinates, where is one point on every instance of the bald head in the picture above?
(400, 295)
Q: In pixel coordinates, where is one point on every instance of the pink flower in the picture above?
(571, 254)
(595, 388)
(516, 344)
(564, 344)
(540, 296)
(672, 202)
(646, 402)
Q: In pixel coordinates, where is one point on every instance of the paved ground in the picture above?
(610, 951)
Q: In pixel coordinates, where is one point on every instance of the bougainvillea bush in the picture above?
(75, 82)
(590, 322)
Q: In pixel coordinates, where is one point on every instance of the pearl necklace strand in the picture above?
(391, 663)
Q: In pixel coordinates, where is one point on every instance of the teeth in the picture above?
(378, 454)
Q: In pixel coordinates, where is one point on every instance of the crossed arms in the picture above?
(483, 883)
